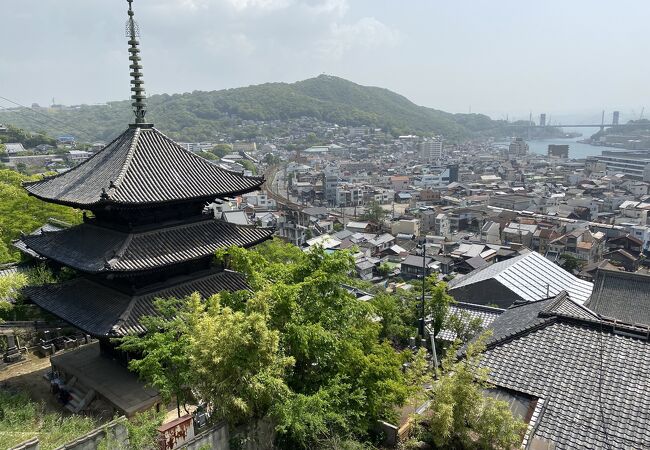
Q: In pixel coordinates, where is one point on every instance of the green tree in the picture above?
(209, 156)
(20, 212)
(374, 213)
(570, 263)
(397, 320)
(163, 351)
(271, 159)
(332, 338)
(236, 363)
(384, 270)
(248, 165)
(222, 150)
(437, 305)
(461, 414)
(463, 325)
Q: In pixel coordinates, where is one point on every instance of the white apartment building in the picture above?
(431, 149)
(260, 200)
(518, 147)
(634, 164)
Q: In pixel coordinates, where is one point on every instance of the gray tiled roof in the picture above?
(93, 249)
(141, 166)
(487, 315)
(20, 243)
(622, 295)
(416, 261)
(594, 380)
(103, 311)
(530, 276)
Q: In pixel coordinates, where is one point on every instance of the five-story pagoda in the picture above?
(148, 235)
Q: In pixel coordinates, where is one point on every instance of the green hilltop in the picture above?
(198, 115)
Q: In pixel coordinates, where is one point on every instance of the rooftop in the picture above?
(94, 249)
(622, 295)
(103, 311)
(141, 166)
(530, 277)
(592, 375)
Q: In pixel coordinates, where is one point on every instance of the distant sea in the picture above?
(576, 149)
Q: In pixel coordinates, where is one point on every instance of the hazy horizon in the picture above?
(507, 59)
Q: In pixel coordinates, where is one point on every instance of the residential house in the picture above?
(405, 226)
(528, 277)
(580, 243)
(412, 266)
(585, 380)
(490, 233)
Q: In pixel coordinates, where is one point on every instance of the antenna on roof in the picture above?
(137, 83)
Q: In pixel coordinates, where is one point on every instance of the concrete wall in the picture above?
(115, 431)
(389, 433)
(32, 444)
(255, 436)
(215, 438)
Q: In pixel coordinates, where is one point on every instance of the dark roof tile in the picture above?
(94, 249)
(142, 166)
(103, 311)
(594, 379)
(622, 295)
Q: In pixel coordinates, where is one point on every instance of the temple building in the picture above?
(146, 234)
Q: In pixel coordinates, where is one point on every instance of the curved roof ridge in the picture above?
(25, 184)
(129, 156)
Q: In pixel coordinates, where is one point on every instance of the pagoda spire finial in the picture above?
(137, 83)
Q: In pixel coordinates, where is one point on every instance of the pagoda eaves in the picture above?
(141, 167)
(102, 311)
(95, 249)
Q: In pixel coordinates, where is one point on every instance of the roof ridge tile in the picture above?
(115, 184)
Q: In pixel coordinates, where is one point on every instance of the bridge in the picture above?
(581, 125)
(602, 125)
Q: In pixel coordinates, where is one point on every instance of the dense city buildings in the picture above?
(387, 247)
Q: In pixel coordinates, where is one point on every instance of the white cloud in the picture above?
(366, 33)
(259, 5)
(338, 7)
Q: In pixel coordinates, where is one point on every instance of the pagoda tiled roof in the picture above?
(142, 166)
(95, 249)
(105, 312)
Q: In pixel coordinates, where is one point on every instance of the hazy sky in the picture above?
(499, 57)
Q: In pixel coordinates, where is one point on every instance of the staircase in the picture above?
(80, 396)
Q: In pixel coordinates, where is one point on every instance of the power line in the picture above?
(48, 117)
(26, 117)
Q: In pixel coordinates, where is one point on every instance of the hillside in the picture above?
(199, 115)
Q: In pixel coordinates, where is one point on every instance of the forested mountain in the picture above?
(198, 115)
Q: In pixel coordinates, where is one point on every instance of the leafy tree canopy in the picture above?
(462, 415)
(20, 212)
(374, 213)
(298, 348)
(570, 262)
(29, 140)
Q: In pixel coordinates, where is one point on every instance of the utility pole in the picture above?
(424, 278)
(422, 319)
(433, 352)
